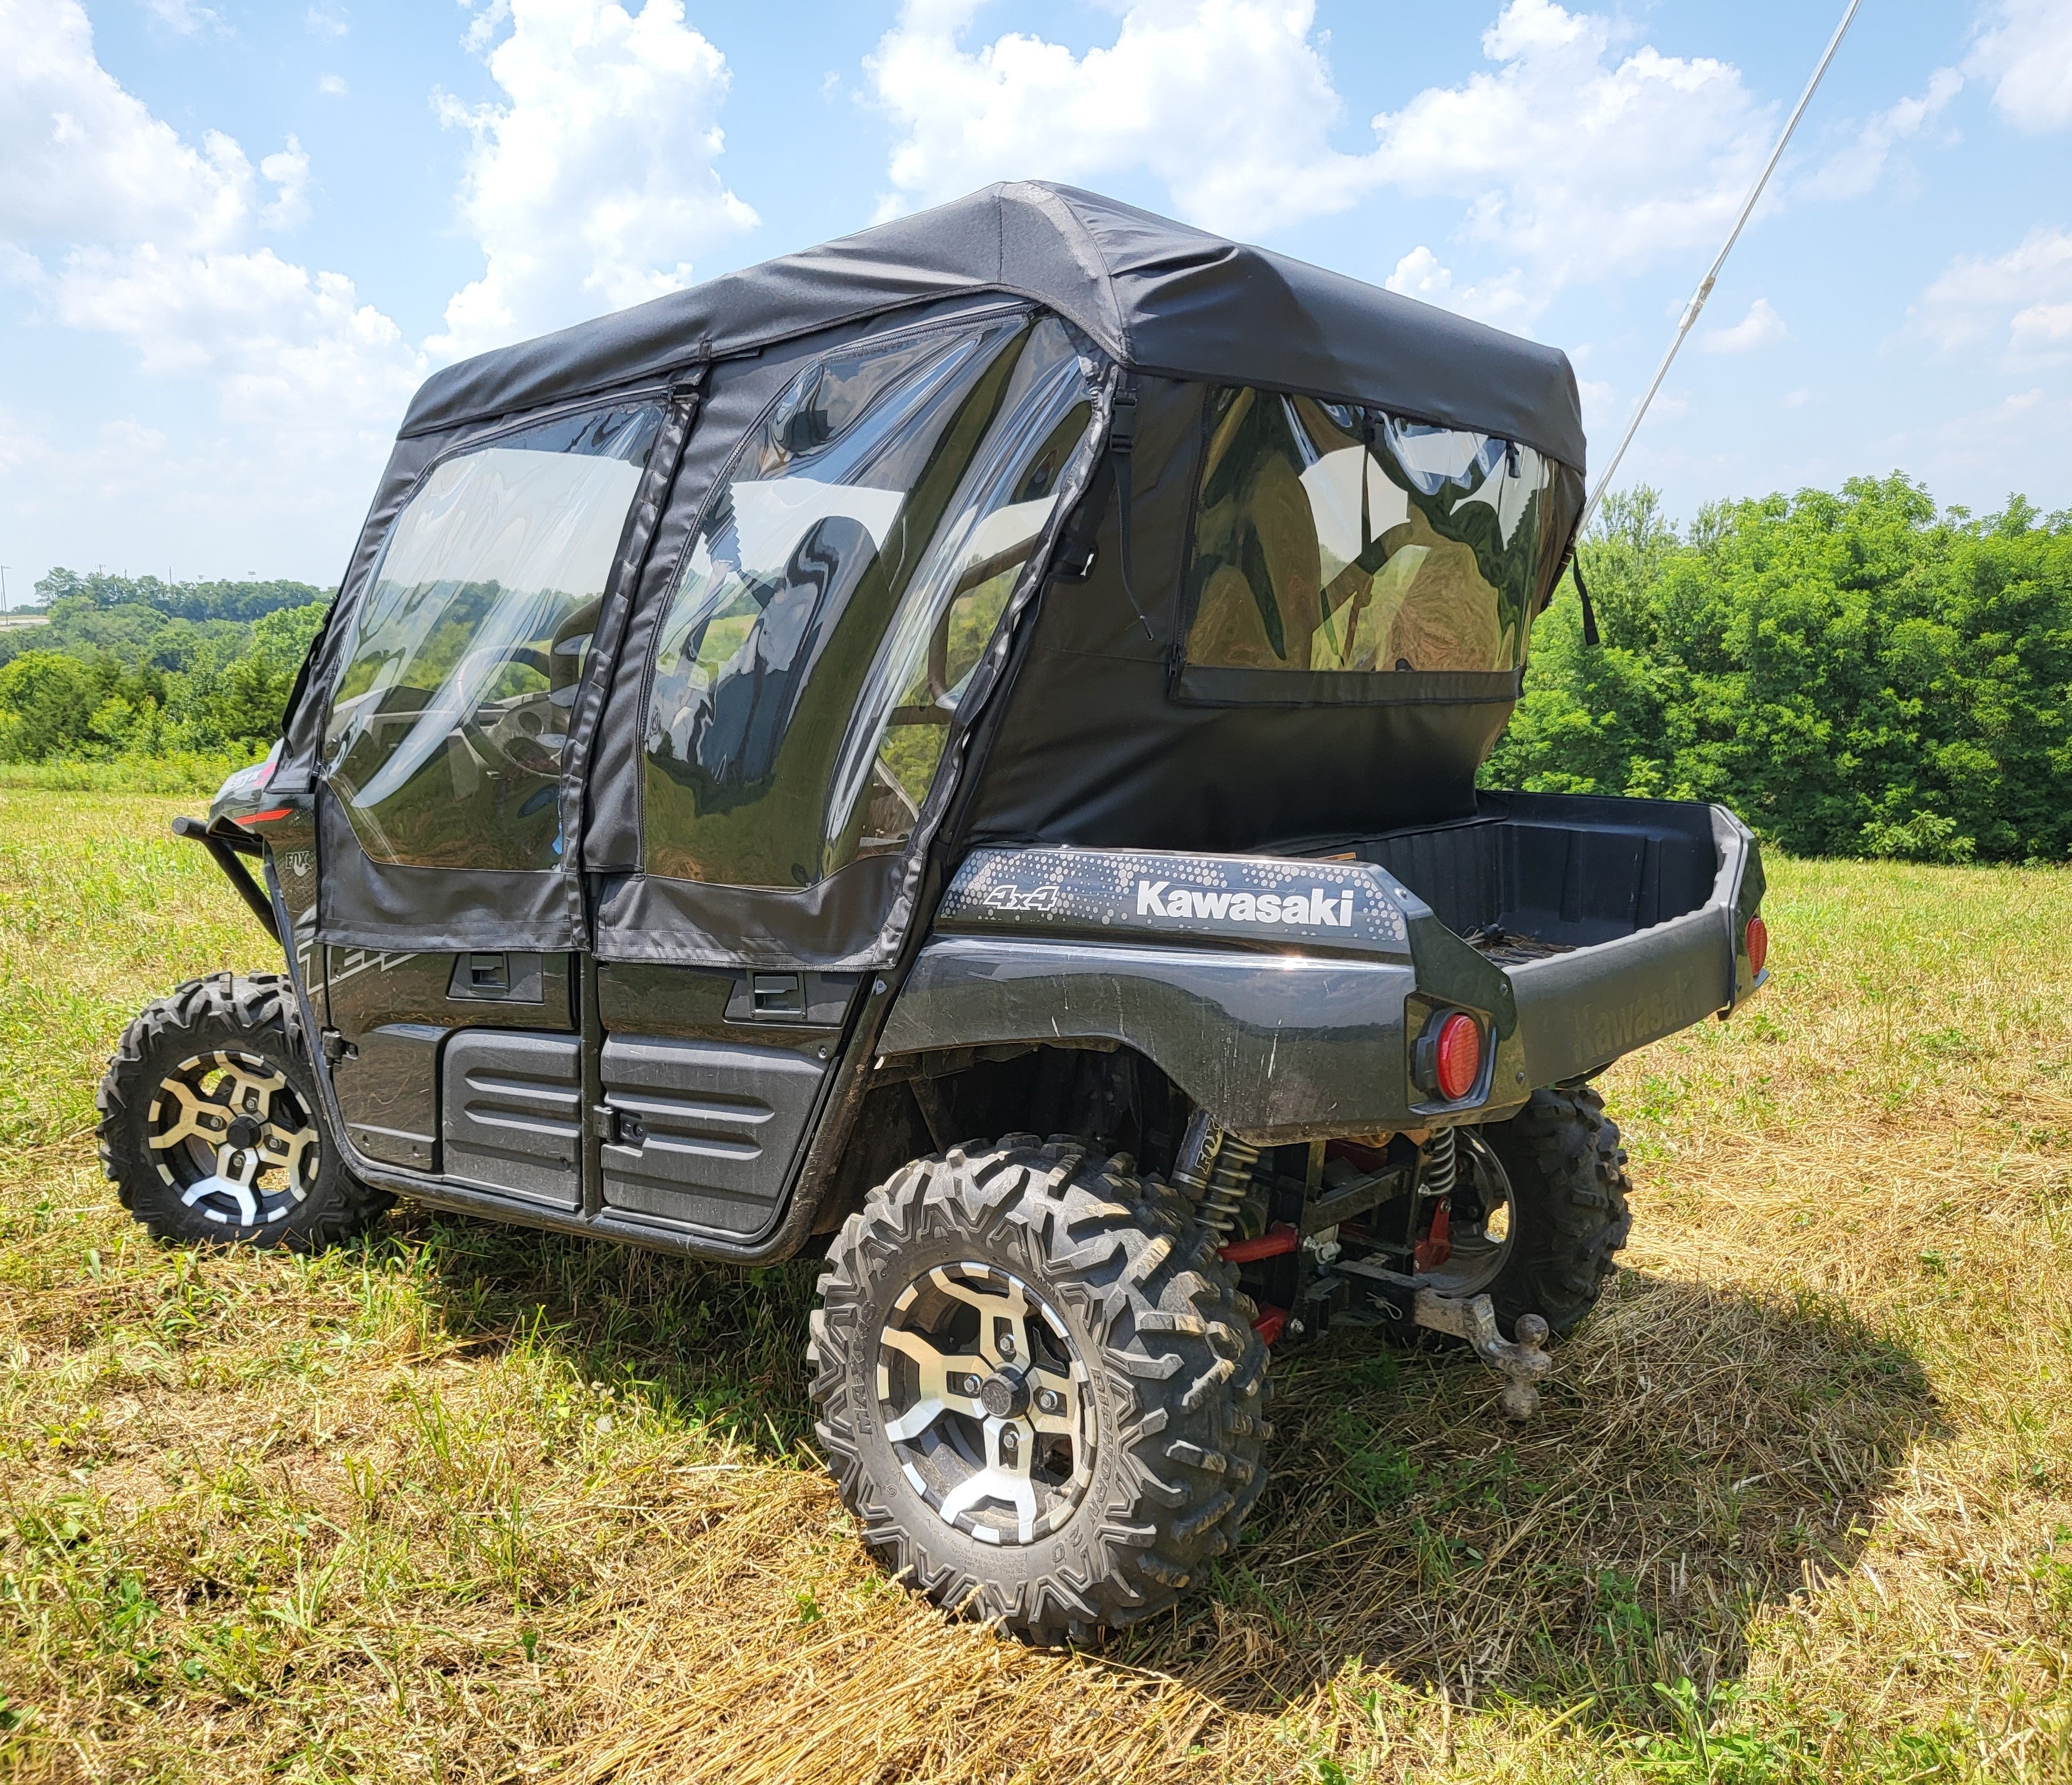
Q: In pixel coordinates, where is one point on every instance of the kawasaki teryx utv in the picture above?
(954, 752)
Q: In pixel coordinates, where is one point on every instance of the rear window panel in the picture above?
(444, 736)
(853, 558)
(1346, 542)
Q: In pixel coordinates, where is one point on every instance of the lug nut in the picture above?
(1050, 1401)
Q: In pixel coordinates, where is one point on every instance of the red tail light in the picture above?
(1458, 1059)
(1756, 939)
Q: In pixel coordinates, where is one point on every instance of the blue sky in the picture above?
(233, 238)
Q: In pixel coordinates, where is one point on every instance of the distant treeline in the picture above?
(130, 668)
(1854, 673)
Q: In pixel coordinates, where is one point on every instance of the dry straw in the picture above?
(472, 1504)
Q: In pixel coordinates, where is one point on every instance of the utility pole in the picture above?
(4, 607)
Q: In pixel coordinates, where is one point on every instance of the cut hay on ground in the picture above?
(473, 1505)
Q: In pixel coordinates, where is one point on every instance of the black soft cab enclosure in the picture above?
(1020, 671)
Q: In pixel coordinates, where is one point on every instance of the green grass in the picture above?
(466, 1503)
(180, 772)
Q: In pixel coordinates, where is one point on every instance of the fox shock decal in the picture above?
(1214, 1171)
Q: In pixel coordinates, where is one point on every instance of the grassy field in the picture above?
(472, 1504)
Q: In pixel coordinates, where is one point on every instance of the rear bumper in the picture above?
(1577, 1013)
(1311, 1037)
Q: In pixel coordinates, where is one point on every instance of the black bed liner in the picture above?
(1534, 873)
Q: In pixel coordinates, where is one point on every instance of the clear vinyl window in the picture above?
(1333, 538)
(845, 576)
(444, 733)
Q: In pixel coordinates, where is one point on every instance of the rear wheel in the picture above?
(1037, 1386)
(209, 1128)
(1566, 1174)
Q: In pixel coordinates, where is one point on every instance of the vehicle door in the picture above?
(785, 703)
(451, 904)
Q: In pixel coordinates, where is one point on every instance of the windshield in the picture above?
(1335, 539)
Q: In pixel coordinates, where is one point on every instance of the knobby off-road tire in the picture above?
(1130, 1330)
(1569, 1204)
(211, 1129)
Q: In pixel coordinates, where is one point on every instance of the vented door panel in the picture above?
(512, 1114)
(705, 1131)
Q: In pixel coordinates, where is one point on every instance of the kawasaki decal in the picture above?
(1351, 906)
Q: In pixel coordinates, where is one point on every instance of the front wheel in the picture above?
(1037, 1386)
(209, 1124)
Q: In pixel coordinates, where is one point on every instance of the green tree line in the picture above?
(132, 669)
(1855, 673)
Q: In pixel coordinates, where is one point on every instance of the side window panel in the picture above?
(444, 733)
(861, 494)
(955, 602)
(1334, 538)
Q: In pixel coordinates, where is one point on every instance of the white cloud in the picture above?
(82, 160)
(1854, 171)
(282, 348)
(114, 224)
(1760, 327)
(327, 21)
(593, 184)
(2022, 299)
(1228, 103)
(1501, 299)
(288, 172)
(184, 16)
(2041, 326)
(1795, 399)
(1572, 160)
(1577, 161)
(332, 86)
(2025, 49)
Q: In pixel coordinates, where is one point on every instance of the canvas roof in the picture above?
(1157, 296)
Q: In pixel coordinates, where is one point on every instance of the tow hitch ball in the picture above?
(1521, 1362)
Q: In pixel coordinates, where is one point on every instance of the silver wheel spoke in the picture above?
(997, 1312)
(1000, 1479)
(936, 1367)
(1062, 1421)
(234, 1173)
(289, 1148)
(191, 1125)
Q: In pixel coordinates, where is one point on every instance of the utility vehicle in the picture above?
(955, 753)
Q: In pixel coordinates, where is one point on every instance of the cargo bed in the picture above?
(1617, 921)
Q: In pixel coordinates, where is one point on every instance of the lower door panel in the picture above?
(704, 1131)
(510, 1114)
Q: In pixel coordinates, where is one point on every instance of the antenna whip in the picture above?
(1705, 285)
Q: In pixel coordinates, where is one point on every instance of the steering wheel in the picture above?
(505, 738)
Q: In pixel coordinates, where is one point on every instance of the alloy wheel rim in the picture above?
(987, 1403)
(233, 1139)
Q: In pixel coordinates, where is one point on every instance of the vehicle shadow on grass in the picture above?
(1702, 1452)
(1702, 1455)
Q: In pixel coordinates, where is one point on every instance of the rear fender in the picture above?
(1281, 996)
